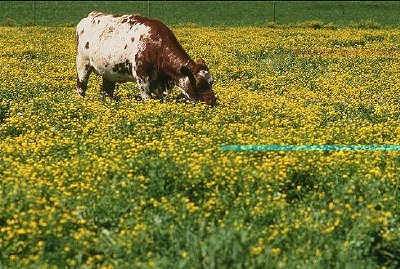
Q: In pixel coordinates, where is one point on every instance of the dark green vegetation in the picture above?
(92, 183)
(365, 14)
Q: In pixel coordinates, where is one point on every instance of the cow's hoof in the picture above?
(116, 98)
(80, 92)
(180, 98)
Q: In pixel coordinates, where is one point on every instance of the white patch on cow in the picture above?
(79, 91)
(205, 74)
(110, 43)
(184, 84)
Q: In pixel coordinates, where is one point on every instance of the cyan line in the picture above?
(309, 147)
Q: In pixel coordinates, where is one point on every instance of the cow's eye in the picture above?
(203, 86)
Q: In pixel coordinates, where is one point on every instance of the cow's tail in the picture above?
(80, 30)
(77, 37)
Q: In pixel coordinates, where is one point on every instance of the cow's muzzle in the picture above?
(209, 98)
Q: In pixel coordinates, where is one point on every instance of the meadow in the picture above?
(204, 13)
(94, 183)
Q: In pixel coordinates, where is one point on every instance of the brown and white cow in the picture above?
(123, 48)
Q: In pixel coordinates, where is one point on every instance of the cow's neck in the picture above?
(177, 59)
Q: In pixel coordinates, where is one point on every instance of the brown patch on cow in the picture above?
(123, 68)
(94, 15)
(202, 84)
(126, 45)
(132, 20)
(200, 65)
(132, 39)
(82, 86)
(97, 14)
(77, 42)
(83, 30)
(128, 64)
(87, 45)
(124, 20)
(108, 87)
(162, 64)
(208, 97)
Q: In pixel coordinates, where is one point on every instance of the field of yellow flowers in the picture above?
(94, 183)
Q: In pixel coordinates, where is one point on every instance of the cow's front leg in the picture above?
(167, 88)
(144, 85)
(107, 88)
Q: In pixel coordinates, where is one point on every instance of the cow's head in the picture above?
(197, 83)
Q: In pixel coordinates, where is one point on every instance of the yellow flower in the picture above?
(184, 254)
(275, 251)
(256, 250)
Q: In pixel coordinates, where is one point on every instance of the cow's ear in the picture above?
(201, 65)
(201, 61)
(185, 71)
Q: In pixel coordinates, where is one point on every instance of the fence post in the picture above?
(273, 8)
(34, 12)
(341, 5)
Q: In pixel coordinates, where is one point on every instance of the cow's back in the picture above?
(111, 44)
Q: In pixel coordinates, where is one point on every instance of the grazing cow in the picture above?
(123, 48)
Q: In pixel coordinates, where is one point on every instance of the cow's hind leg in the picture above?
(83, 69)
(107, 88)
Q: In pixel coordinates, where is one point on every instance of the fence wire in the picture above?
(204, 13)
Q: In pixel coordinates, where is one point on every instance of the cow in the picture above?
(123, 48)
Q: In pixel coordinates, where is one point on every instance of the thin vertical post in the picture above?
(273, 8)
(341, 5)
(34, 12)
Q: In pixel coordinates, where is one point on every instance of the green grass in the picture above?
(207, 13)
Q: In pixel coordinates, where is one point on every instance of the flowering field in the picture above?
(94, 183)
